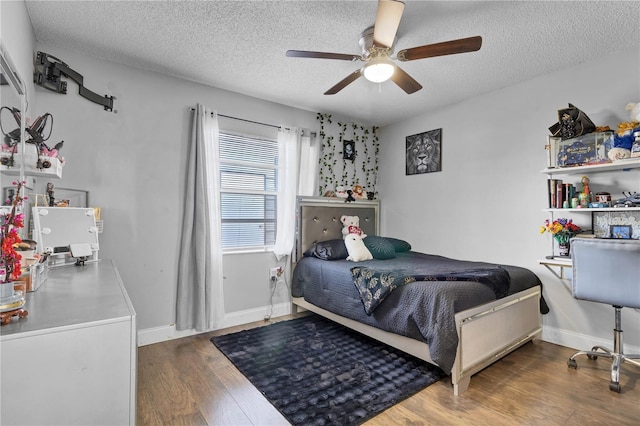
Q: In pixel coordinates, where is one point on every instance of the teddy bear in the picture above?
(351, 225)
(356, 248)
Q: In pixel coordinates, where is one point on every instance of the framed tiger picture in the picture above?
(424, 152)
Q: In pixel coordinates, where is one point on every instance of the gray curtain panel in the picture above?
(199, 302)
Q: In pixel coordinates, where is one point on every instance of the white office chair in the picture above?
(607, 271)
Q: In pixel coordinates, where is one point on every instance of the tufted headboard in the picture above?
(318, 219)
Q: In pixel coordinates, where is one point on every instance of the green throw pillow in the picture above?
(379, 247)
(399, 245)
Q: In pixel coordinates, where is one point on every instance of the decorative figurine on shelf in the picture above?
(585, 185)
(585, 195)
(52, 200)
(634, 111)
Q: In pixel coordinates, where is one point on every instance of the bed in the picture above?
(462, 326)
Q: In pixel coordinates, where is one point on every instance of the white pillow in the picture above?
(356, 248)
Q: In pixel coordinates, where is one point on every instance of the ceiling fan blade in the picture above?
(322, 55)
(387, 21)
(451, 47)
(405, 81)
(344, 83)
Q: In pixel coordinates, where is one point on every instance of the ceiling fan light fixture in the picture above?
(378, 70)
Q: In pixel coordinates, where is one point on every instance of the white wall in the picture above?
(132, 163)
(18, 39)
(486, 203)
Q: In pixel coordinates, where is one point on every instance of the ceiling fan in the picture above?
(377, 46)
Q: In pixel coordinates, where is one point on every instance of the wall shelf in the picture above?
(559, 263)
(617, 166)
(626, 164)
(592, 210)
(30, 169)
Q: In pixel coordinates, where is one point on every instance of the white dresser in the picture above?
(72, 360)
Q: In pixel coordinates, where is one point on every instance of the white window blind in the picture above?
(248, 190)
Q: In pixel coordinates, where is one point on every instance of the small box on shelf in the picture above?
(592, 148)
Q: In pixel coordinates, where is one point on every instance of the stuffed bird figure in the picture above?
(634, 109)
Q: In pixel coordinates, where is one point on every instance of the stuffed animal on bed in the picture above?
(351, 225)
(356, 248)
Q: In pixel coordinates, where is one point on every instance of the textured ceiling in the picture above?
(240, 45)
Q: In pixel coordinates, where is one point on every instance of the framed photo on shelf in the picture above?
(620, 231)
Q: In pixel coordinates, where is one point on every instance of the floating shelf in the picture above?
(562, 262)
(626, 164)
(30, 168)
(559, 263)
(592, 210)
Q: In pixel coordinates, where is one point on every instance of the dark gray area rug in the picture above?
(318, 372)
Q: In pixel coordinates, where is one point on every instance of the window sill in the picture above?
(247, 250)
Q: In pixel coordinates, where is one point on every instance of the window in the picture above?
(248, 190)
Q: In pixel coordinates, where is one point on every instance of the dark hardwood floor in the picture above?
(189, 382)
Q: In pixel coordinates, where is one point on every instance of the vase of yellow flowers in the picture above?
(562, 230)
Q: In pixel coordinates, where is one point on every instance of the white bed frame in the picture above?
(486, 333)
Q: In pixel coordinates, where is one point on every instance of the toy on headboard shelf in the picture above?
(357, 192)
(349, 196)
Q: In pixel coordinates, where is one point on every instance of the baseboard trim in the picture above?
(579, 341)
(554, 335)
(149, 336)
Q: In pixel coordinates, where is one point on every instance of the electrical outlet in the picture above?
(274, 274)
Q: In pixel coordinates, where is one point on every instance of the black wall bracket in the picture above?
(48, 72)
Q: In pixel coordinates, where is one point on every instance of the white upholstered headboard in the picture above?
(318, 219)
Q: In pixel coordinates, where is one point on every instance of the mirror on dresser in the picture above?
(13, 120)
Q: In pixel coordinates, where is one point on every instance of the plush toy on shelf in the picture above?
(634, 110)
(618, 153)
(623, 137)
(358, 192)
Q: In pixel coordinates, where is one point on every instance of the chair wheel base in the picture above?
(572, 364)
(615, 387)
(592, 357)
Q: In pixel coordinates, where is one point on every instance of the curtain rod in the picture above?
(245, 120)
(253, 122)
(249, 121)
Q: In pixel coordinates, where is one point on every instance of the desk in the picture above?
(73, 360)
